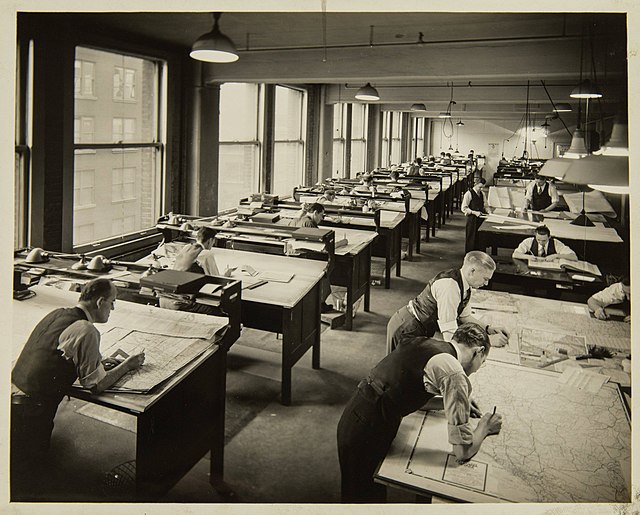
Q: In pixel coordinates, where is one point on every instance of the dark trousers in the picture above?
(404, 325)
(31, 428)
(364, 438)
(471, 241)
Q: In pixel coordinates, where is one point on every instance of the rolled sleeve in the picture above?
(529, 191)
(553, 193)
(444, 374)
(611, 295)
(80, 343)
(564, 250)
(525, 246)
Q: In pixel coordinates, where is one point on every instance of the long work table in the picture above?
(566, 434)
(173, 432)
(290, 308)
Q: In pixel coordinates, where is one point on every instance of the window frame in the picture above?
(158, 143)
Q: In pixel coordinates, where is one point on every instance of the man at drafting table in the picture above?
(191, 259)
(444, 303)
(543, 247)
(403, 382)
(541, 195)
(617, 293)
(63, 347)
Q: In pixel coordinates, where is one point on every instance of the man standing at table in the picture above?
(402, 383)
(473, 207)
(543, 247)
(541, 195)
(64, 346)
(444, 303)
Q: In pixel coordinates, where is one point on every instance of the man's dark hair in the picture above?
(472, 335)
(95, 289)
(543, 229)
(205, 234)
(316, 207)
(480, 180)
(418, 160)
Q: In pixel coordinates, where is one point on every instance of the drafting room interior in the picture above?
(126, 146)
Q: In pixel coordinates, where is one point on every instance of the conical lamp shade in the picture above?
(562, 107)
(214, 47)
(367, 92)
(618, 144)
(577, 149)
(586, 90)
(418, 107)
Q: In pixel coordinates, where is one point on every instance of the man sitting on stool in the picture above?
(444, 303)
(313, 216)
(543, 247)
(541, 195)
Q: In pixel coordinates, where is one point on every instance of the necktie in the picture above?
(543, 252)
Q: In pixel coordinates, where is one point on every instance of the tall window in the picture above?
(23, 139)
(240, 130)
(386, 138)
(289, 140)
(396, 137)
(339, 139)
(117, 99)
(358, 139)
(418, 137)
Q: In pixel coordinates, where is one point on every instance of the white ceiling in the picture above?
(488, 57)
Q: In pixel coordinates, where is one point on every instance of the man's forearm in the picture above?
(111, 377)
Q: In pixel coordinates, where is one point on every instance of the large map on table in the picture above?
(557, 444)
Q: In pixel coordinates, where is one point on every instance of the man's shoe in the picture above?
(325, 308)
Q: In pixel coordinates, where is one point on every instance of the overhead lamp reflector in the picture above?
(418, 107)
(586, 90)
(367, 92)
(562, 107)
(214, 46)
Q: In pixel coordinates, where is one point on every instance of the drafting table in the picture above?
(548, 419)
(172, 434)
(557, 444)
(596, 244)
(353, 268)
(552, 283)
(291, 309)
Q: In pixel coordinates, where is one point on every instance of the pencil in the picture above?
(494, 411)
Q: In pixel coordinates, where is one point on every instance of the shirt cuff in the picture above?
(94, 377)
(448, 326)
(461, 434)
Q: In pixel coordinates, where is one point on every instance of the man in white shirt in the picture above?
(541, 195)
(473, 207)
(617, 293)
(543, 247)
(444, 303)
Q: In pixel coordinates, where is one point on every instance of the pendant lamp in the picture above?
(214, 46)
(368, 92)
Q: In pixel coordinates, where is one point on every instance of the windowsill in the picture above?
(85, 206)
(125, 101)
(85, 97)
(120, 201)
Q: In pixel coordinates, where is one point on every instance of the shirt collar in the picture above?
(456, 348)
(89, 317)
(465, 283)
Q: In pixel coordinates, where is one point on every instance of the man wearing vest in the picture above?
(543, 247)
(402, 383)
(444, 303)
(473, 203)
(541, 195)
(64, 346)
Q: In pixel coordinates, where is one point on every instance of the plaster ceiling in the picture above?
(494, 61)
